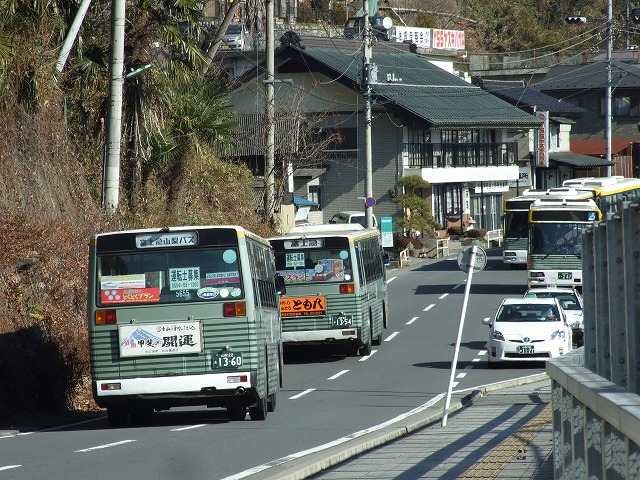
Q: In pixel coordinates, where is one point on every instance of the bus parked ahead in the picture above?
(336, 286)
(183, 316)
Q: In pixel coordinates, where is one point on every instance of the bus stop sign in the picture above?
(464, 259)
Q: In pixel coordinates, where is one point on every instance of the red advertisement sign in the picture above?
(130, 295)
(448, 39)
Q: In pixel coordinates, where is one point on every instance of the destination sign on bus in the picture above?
(158, 240)
(563, 216)
(304, 243)
(303, 306)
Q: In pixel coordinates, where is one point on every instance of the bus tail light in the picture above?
(347, 288)
(237, 378)
(235, 309)
(110, 386)
(105, 317)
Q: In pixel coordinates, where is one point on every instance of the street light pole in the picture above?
(269, 174)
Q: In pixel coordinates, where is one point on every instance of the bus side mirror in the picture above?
(281, 289)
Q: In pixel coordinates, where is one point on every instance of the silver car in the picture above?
(571, 302)
(236, 37)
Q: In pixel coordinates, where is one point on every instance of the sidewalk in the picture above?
(500, 432)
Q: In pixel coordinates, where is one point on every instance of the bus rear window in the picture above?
(314, 265)
(169, 277)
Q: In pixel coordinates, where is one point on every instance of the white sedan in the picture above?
(527, 329)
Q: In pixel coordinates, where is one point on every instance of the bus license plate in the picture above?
(227, 360)
(525, 349)
(565, 275)
(340, 321)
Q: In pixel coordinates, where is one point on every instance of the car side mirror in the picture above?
(487, 321)
(281, 288)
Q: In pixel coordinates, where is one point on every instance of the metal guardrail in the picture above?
(493, 236)
(404, 258)
(596, 390)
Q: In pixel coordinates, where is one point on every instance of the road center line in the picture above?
(308, 390)
(412, 320)
(429, 307)
(333, 377)
(390, 337)
(188, 428)
(443, 295)
(106, 445)
(365, 358)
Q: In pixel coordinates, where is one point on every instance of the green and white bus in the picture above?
(184, 316)
(336, 286)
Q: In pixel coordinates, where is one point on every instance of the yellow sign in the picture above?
(303, 306)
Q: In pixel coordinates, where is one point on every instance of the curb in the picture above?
(298, 468)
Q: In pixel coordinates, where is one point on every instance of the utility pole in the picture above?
(369, 77)
(607, 130)
(111, 172)
(269, 174)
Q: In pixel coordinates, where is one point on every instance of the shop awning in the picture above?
(578, 161)
(302, 201)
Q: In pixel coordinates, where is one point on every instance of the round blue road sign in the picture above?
(370, 202)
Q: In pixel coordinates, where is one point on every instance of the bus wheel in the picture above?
(141, 415)
(259, 411)
(236, 414)
(365, 349)
(117, 416)
(271, 402)
(378, 339)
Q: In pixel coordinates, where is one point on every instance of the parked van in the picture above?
(352, 217)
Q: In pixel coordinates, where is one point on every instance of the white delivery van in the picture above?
(352, 217)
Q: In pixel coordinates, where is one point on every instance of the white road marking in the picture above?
(308, 390)
(333, 377)
(457, 286)
(454, 384)
(9, 467)
(482, 353)
(390, 337)
(190, 427)
(366, 357)
(461, 375)
(468, 367)
(429, 307)
(476, 360)
(412, 320)
(106, 445)
(389, 280)
(443, 295)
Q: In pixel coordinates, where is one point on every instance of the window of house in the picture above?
(621, 106)
(314, 196)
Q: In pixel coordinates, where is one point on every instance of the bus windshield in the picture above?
(516, 224)
(169, 276)
(556, 238)
(329, 264)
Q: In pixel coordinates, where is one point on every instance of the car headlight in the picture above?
(557, 335)
(496, 335)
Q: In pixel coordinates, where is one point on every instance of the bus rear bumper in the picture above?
(320, 337)
(178, 386)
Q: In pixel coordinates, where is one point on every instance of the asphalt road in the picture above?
(327, 396)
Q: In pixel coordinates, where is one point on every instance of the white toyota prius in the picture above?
(527, 329)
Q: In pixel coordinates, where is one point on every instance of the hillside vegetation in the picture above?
(175, 122)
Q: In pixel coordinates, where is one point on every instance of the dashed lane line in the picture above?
(391, 337)
(412, 320)
(106, 445)
(333, 377)
(308, 390)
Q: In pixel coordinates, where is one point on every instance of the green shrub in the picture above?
(475, 233)
(454, 231)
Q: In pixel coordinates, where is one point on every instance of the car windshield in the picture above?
(234, 29)
(528, 313)
(566, 299)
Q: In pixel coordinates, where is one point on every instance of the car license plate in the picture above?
(340, 321)
(565, 276)
(227, 360)
(525, 349)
